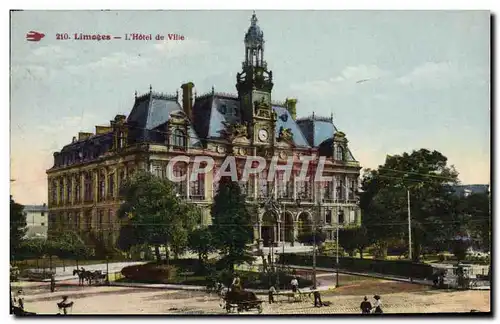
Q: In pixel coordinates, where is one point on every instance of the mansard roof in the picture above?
(211, 111)
(319, 133)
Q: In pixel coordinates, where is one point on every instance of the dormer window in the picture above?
(223, 109)
(339, 153)
(178, 139)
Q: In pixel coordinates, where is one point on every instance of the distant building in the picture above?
(36, 220)
(467, 190)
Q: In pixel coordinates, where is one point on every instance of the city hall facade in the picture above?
(84, 182)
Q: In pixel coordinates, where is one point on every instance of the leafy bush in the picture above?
(404, 268)
(150, 272)
(32, 274)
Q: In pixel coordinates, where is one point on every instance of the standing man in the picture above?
(272, 291)
(317, 298)
(295, 284)
(52, 283)
(366, 306)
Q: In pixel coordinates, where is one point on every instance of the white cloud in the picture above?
(343, 83)
(439, 75)
(171, 49)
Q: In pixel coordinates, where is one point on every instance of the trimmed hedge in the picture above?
(404, 268)
(150, 273)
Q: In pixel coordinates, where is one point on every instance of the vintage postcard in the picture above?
(250, 162)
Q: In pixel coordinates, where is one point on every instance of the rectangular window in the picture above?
(263, 185)
(328, 217)
(181, 185)
(197, 188)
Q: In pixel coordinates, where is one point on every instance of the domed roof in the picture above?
(254, 36)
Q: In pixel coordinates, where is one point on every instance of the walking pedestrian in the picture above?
(52, 283)
(366, 306)
(377, 305)
(272, 291)
(295, 284)
(317, 298)
(20, 299)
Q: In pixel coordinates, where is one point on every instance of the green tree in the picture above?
(433, 206)
(477, 215)
(17, 226)
(308, 236)
(232, 223)
(352, 239)
(154, 212)
(459, 248)
(201, 241)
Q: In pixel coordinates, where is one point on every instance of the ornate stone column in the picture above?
(106, 179)
(346, 187)
(95, 183)
(295, 232)
(82, 187)
(73, 191)
(116, 184)
(278, 231)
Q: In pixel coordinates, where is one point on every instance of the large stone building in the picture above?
(83, 183)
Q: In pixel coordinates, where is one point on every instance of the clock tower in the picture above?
(254, 85)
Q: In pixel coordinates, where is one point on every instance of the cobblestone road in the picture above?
(121, 300)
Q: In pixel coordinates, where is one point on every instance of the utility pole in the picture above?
(409, 228)
(337, 247)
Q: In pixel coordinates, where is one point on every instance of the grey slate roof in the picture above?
(285, 120)
(151, 111)
(149, 114)
(319, 133)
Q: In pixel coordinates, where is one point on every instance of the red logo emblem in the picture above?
(34, 36)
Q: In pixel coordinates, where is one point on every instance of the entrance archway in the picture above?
(268, 229)
(304, 223)
(288, 227)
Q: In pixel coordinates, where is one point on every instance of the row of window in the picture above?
(74, 187)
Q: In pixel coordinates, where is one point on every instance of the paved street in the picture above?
(396, 298)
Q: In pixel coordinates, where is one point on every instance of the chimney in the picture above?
(102, 129)
(83, 136)
(187, 99)
(291, 107)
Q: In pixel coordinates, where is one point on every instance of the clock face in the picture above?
(259, 96)
(263, 135)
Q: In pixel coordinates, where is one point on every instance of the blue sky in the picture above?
(429, 77)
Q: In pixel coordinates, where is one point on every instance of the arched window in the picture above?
(339, 153)
(179, 139)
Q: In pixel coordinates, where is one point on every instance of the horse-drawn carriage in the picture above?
(241, 301)
(98, 277)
